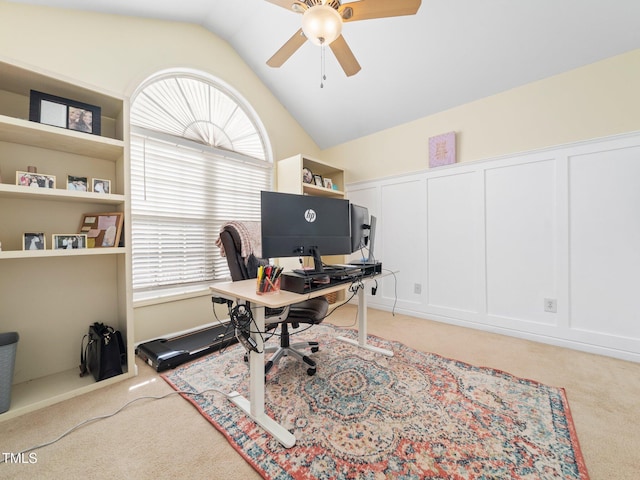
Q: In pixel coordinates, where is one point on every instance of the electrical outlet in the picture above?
(550, 305)
(417, 288)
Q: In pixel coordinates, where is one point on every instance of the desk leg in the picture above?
(254, 407)
(362, 328)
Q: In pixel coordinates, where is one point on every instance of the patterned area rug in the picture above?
(412, 416)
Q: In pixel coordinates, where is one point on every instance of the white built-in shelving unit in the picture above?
(50, 297)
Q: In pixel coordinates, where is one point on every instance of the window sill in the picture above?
(145, 299)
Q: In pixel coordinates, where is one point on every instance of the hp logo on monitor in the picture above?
(310, 215)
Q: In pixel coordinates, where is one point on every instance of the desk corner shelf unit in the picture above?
(289, 177)
(50, 297)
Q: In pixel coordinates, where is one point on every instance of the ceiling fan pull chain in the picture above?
(323, 77)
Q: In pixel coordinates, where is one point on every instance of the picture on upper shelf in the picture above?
(317, 179)
(68, 241)
(36, 180)
(78, 184)
(34, 241)
(328, 183)
(64, 113)
(99, 185)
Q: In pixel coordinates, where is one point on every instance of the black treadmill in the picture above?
(163, 354)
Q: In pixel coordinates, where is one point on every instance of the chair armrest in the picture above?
(276, 315)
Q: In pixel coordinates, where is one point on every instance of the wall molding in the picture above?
(483, 244)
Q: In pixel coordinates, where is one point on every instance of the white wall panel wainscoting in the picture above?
(543, 245)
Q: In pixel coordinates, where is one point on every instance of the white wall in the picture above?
(483, 244)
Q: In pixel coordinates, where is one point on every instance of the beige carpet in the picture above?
(170, 439)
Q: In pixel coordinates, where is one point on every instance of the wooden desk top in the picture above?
(246, 290)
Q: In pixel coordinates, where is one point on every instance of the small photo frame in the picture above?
(70, 241)
(35, 180)
(103, 230)
(79, 184)
(317, 179)
(307, 175)
(328, 183)
(99, 185)
(34, 241)
(64, 113)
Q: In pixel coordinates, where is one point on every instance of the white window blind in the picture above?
(180, 198)
(197, 160)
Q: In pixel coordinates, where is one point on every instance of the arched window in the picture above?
(199, 157)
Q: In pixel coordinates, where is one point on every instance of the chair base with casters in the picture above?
(286, 349)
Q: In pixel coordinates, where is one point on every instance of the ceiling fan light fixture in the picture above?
(321, 24)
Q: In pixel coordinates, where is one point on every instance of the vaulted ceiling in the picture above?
(450, 53)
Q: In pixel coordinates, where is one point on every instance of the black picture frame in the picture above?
(64, 113)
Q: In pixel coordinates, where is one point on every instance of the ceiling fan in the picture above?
(322, 25)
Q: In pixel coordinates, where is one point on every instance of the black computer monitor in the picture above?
(304, 225)
(359, 227)
(372, 239)
(363, 231)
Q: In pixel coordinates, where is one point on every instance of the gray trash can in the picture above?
(8, 347)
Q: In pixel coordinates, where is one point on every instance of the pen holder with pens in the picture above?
(268, 280)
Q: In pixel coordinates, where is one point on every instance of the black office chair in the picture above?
(311, 311)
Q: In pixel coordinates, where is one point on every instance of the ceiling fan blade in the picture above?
(288, 49)
(368, 9)
(345, 56)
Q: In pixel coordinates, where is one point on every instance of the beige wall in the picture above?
(117, 53)
(590, 102)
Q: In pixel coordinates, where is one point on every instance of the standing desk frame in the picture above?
(245, 290)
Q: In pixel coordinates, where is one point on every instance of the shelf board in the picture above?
(21, 79)
(17, 130)
(321, 191)
(42, 392)
(57, 194)
(79, 252)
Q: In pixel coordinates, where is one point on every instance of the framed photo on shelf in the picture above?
(34, 241)
(307, 175)
(328, 183)
(78, 184)
(103, 230)
(64, 113)
(68, 241)
(317, 179)
(99, 185)
(35, 180)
